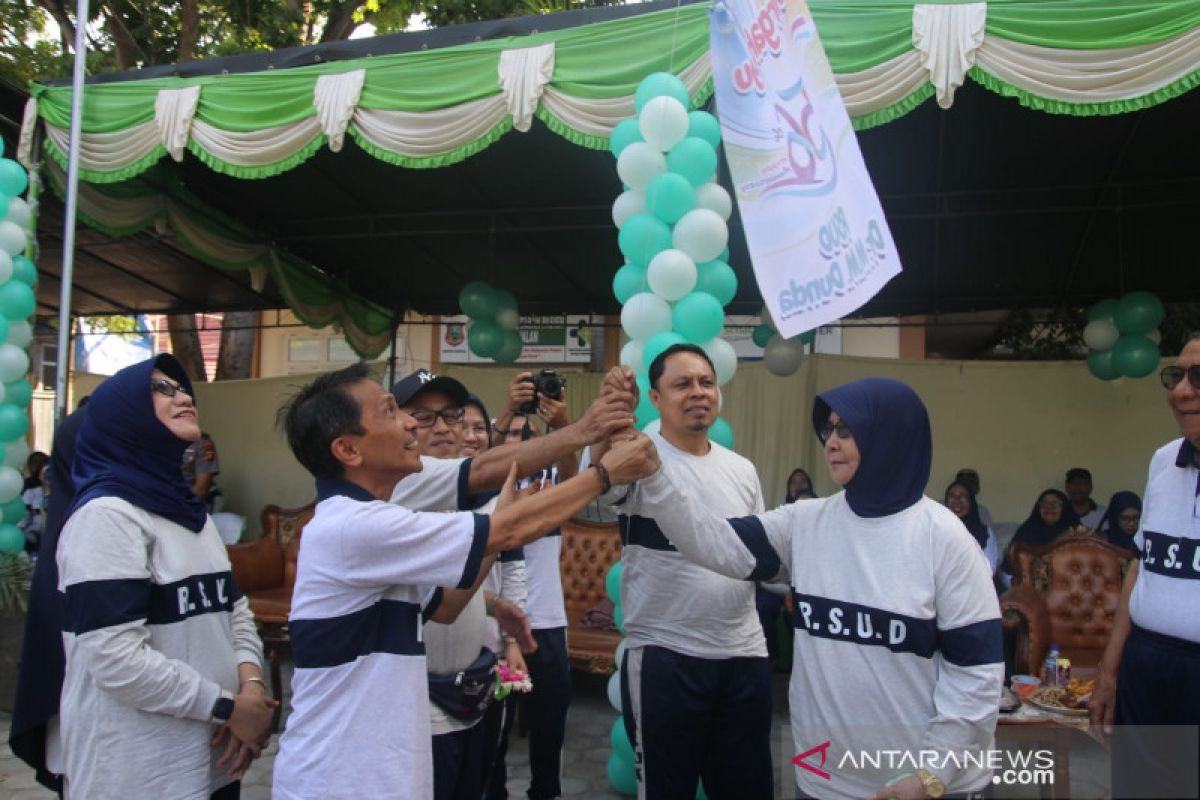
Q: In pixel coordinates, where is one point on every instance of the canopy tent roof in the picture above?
(393, 164)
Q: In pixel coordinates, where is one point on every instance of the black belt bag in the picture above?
(466, 695)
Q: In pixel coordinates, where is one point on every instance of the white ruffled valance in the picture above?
(947, 37)
(173, 113)
(335, 98)
(523, 75)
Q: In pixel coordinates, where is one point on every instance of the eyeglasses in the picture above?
(1050, 504)
(1172, 375)
(480, 431)
(167, 388)
(828, 429)
(427, 417)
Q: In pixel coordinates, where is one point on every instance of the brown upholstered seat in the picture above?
(1065, 592)
(588, 550)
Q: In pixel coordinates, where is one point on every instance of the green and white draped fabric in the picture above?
(431, 108)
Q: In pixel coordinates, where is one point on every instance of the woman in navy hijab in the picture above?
(960, 498)
(1122, 517)
(898, 638)
(163, 693)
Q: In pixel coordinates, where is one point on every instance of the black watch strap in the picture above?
(222, 710)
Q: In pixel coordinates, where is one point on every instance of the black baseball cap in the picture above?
(408, 387)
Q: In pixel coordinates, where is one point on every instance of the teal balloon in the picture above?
(3, 329)
(1105, 309)
(619, 738)
(510, 349)
(808, 337)
(645, 413)
(477, 300)
(13, 511)
(762, 334)
(12, 540)
(14, 422)
(14, 180)
(1134, 355)
(18, 393)
(718, 279)
(669, 197)
(485, 338)
(629, 280)
(621, 776)
(721, 432)
(698, 317)
(1138, 312)
(612, 583)
(694, 159)
(624, 134)
(1103, 365)
(24, 270)
(657, 345)
(17, 300)
(503, 298)
(643, 237)
(704, 125)
(659, 84)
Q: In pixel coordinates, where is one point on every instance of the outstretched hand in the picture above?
(631, 459)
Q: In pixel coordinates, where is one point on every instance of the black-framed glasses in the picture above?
(829, 428)
(427, 417)
(167, 388)
(1172, 376)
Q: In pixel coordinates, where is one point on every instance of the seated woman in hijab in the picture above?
(1121, 520)
(960, 498)
(163, 694)
(1052, 515)
(898, 638)
(799, 486)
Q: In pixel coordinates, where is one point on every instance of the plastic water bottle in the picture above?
(1050, 667)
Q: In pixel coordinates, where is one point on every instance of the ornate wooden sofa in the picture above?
(1065, 592)
(588, 550)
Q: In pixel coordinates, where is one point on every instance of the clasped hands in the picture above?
(624, 443)
(248, 729)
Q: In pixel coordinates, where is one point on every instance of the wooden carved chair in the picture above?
(588, 550)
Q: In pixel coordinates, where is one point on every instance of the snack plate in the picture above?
(1070, 712)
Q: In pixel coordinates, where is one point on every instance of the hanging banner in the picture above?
(814, 226)
(548, 340)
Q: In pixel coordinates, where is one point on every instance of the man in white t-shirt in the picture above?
(696, 681)
(367, 577)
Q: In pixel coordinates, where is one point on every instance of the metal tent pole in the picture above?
(68, 256)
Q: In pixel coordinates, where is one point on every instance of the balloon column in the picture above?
(1122, 336)
(671, 219)
(492, 332)
(17, 278)
(782, 356)
(622, 773)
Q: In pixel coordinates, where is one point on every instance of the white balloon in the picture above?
(16, 453)
(1100, 334)
(11, 483)
(663, 122)
(644, 315)
(720, 400)
(12, 237)
(6, 267)
(628, 204)
(14, 363)
(671, 274)
(614, 691)
(701, 233)
(638, 164)
(508, 319)
(20, 333)
(783, 356)
(1155, 336)
(714, 197)
(654, 426)
(631, 356)
(18, 212)
(621, 648)
(724, 359)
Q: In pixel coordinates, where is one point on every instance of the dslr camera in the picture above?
(547, 382)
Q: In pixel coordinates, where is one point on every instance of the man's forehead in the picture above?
(686, 363)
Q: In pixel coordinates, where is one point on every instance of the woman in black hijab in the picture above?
(960, 498)
(799, 486)
(1121, 520)
(1052, 515)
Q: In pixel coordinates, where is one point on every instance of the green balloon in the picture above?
(14, 180)
(622, 776)
(718, 279)
(762, 334)
(18, 392)
(503, 298)
(624, 134)
(658, 343)
(694, 159)
(659, 84)
(14, 422)
(698, 317)
(643, 237)
(1134, 355)
(477, 300)
(24, 270)
(619, 738)
(807, 337)
(510, 348)
(1138, 312)
(3, 329)
(721, 432)
(669, 197)
(1105, 309)
(485, 338)
(1102, 365)
(612, 583)
(17, 300)
(645, 413)
(704, 125)
(13, 511)
(629, 280)
(12, 539)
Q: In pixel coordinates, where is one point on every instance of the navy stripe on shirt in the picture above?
(388, 626)
(92, 605)
(332, 487)
(483, 526)
(766, 561)
(1171, 556)
(863, 625)
(974, 644)
(516, 554)
(643, 532)
(465, 499)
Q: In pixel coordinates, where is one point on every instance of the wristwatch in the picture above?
(932, 783)
(222, 710)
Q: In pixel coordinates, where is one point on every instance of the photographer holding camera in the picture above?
(530, 397)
